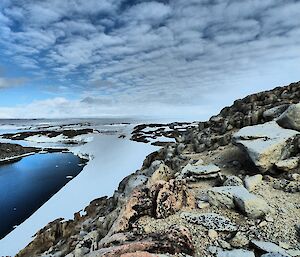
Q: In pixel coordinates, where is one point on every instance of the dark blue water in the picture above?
(27, 184)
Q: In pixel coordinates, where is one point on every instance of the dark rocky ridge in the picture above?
(69, 133)
(158, 211)
(13, 150)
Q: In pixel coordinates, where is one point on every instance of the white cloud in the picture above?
(164, 52)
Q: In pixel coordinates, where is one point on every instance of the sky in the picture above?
(181, 59)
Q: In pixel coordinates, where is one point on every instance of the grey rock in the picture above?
(251, 205)
(266, 143)
(268, 247)
(191, 171)
(235, 253)
(275, 112)
(224, 244)
(133, 182)
(237, 196)
(224, 196)
(233, 181)
(202, 204)
(293, 253)
(210, 221)
(274, 255)
(239, 240)
(290, 119)
(79, 252)
(251, 182)
(288, 164)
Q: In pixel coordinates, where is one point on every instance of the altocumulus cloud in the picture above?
(168, 53)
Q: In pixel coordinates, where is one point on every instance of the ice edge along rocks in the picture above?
(201, 196)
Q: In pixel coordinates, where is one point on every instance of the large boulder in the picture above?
(238, 197)
(266, 143)
(290, 119)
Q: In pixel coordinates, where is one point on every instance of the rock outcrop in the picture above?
(267, 143)
(225, 187)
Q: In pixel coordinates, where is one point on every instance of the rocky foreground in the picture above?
(228, 187)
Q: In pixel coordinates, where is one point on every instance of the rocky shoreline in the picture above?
(226, 187)
(9, 152)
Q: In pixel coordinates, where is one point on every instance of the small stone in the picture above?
(284, 245)
(269, 218)
(287, 164)
(224, 244)
(251, 182)
(78, 252)
(213, 249)
(239, 240)
(212, 234)
(202, 204)
(233, 181)
(263, 224)
(297, 227)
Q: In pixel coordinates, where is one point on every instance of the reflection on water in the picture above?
(28, 184)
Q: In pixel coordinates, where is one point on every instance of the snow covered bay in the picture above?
(113, 159)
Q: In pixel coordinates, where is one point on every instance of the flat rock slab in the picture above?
(290, 118)
(235, 253)
(268, 247)
(274, 255)
(266, 143)
(239, 197)
(210, 221)
(200, 171)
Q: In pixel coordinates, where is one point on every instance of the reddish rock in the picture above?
(161, 200)
(176, 239)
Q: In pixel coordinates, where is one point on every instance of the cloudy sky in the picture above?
(174, 58)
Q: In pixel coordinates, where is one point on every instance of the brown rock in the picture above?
(176, 239)
(160, 200)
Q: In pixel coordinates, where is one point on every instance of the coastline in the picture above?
(174, 203)
(86, 186)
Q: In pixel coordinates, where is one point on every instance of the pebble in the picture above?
(284, 245)
(212, 234)
(202, 204)
(225, 245)
(263, 224)
(269, 218)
